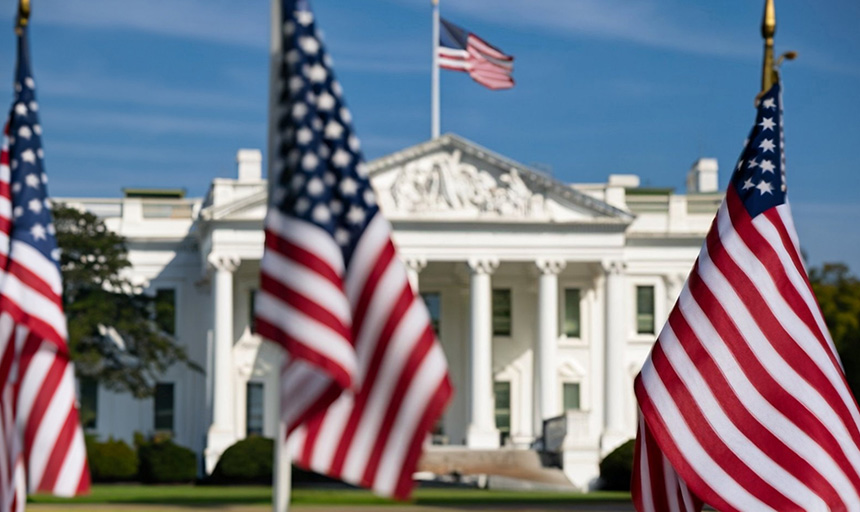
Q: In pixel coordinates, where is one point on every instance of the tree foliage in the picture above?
(838, 293)
(113, 333)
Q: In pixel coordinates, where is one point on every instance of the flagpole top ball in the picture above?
(23, 15)
(768, 24)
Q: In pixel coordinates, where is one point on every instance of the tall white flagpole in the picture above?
(434, 107)
(281, 467)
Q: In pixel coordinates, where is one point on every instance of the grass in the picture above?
(249, 495)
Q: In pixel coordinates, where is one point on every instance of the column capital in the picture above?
(221, 261)
(486, 265)
(415, 263)
(613, 267)
(550, 266)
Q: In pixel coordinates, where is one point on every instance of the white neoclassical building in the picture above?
(546, 297)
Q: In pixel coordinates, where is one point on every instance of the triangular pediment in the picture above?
(452, 179)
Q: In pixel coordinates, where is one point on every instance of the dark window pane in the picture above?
(434, 307)
(645, 309)
(165, 310)
(571, 312)
(164, 407)
(254, 409)
(252, 297)
(502, 391)
(502, 312)
(571, 396)
(89, 402)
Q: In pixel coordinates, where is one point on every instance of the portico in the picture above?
(546, 296)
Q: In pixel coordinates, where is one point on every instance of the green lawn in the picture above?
(244, 495)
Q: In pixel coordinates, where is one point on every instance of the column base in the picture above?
(218, 439)
(610, 440)
(482, 438)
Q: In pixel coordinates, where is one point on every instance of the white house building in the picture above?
(546, 297)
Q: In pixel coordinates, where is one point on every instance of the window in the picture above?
(502, 312)
(502, 391)
(434, 307)
(252, 300)
(571, 313)
(254, 409)
(165, 310)
(645, 310)
(89, 388)
(570, 394)
(164, 407)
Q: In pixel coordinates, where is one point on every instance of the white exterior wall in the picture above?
(497, 210)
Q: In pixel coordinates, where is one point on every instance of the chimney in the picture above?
(703, 176)
(250, 164)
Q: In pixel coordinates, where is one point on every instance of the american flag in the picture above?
(743, 398)
(460, 50)
(42, 446)
(365, 377)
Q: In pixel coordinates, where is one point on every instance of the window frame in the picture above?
(255, 384)
(155, 408)
(494, 312)
(638, 314)
(504, 433)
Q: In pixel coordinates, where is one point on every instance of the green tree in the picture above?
(838, 293)
(115, 335)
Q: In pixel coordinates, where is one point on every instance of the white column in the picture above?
(222, 432)
(617, 325)
(414, 266)
(546, 397)
(482, 431)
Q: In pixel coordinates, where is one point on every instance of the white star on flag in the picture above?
(769, 103)
(767, 166)
(35, 205)
(32, 180)
(356, 215)
(764, 187)
(767, 123)
(333, 130)
(21, 109)
(28, 156)
(38, 232)
(341, 158)
(348, 187)
(767, 145)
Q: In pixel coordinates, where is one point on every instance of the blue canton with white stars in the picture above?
(759, 176)
(322, 176)
(31, 210)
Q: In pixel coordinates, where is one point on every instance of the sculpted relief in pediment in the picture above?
(444, 183)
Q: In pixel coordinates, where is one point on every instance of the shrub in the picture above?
(249, 461)
(111, 461)
(163, 461)
(616, 469)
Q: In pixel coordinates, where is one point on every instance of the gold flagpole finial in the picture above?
(23, 15)
(768, 30)
(770, 69)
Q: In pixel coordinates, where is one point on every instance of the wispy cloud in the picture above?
(106, 88)
(150, 124)
(244, 23)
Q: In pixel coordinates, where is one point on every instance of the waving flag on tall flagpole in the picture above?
(461, 50)
(744, 402)
(365, 377)
(42, 441)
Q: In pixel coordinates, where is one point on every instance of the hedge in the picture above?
(163, 461)
(111, 461)
(249, 461)
(616, 469)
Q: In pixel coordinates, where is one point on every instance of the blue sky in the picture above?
(163, 92)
